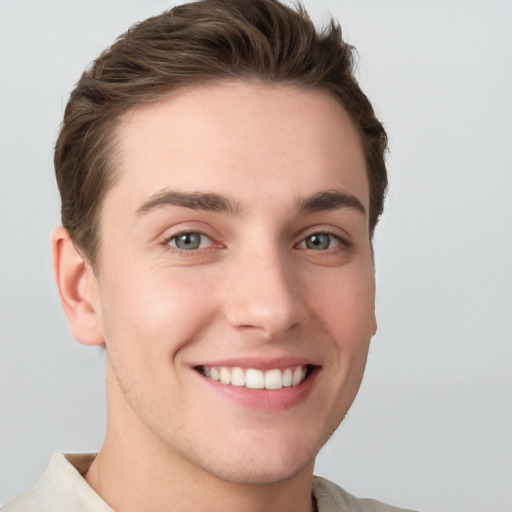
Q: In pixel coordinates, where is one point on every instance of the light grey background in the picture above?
(431, 427)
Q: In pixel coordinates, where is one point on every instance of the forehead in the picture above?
(240, 139)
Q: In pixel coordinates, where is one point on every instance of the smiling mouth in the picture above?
(253, 378)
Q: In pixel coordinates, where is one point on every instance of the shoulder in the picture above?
(61, 488)
(331, 498)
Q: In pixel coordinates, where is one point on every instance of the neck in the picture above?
(135, 470)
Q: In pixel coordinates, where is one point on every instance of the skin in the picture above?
(255, 289)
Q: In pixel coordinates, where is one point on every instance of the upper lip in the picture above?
(258, 363)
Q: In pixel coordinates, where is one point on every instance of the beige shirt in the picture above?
(62, 488)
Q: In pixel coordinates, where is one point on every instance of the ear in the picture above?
(78, 289)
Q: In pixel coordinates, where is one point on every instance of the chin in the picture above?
(262, 473)
(258, 464)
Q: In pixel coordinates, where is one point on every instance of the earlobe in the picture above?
(76, 283)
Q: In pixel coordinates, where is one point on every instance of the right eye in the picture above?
(190, 241)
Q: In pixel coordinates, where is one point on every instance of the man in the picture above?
(221, 176)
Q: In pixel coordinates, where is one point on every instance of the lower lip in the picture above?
(264, 399)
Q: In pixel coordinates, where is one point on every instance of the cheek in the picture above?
(157, 311)
(347, 306)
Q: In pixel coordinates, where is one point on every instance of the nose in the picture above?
(263, 295)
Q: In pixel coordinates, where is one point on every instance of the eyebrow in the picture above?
(330, 200)
(209, 201)
(194, 200)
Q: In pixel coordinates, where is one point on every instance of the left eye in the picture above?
(320, 242)
(190, 241)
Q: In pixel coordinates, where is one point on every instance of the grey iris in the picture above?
(318, 242)
(188, 241)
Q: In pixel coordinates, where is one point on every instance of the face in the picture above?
(235, 287)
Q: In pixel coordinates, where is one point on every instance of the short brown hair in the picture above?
(201, 42)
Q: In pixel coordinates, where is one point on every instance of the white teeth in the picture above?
(287, 378)
(237, 377)
(273, 379)
(256, 379)
(225, 376)
(297, 376)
